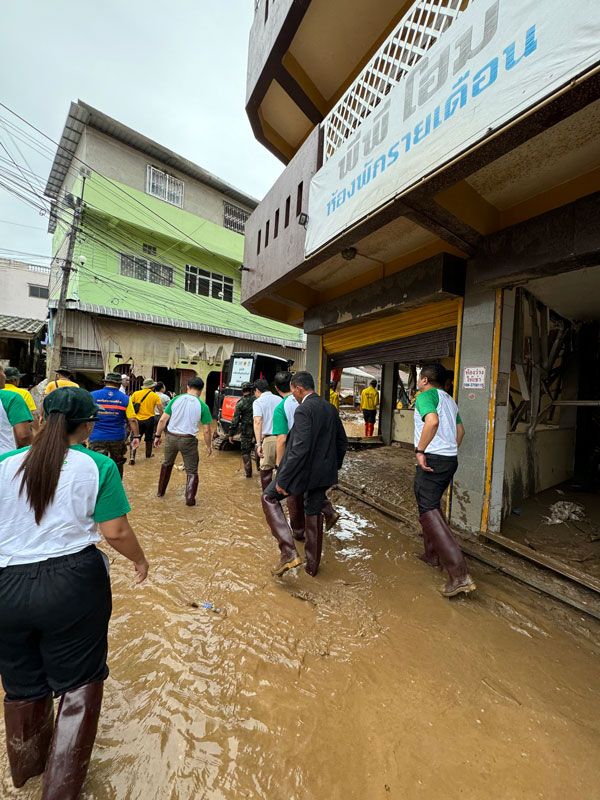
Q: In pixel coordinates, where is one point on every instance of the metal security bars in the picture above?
(416, 32)
(166, 187)
(208, 284)
(144, 270)
(234, 218)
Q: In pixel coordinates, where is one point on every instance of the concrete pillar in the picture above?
(316, 363)
(389, 389)
(476, 351)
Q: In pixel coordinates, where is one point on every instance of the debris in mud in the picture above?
(563, 511)
(306, 596)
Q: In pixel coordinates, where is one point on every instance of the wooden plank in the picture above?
(536, 368)
(546, 561)
(522, 382)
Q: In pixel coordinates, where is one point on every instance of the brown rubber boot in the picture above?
(266, 476)
(443, 543)
(247, 459)
(191, 487)
(149, 453)
(330, 514)
(429, 557)
(72, 743)
(29, 726)
(164, 478)
(314, 543)
(283, 533)
(295, 504)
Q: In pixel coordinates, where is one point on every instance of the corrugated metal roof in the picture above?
(22, 325)
(171, 322)
(81, 114)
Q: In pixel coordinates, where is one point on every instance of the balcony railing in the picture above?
(416, 32)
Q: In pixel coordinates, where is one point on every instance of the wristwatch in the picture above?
(422, 452)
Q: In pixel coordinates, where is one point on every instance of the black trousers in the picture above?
(147, 428)
(54, 618)
(369, 416)
(430, 486)
(314, 499)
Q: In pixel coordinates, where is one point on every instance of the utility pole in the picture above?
(59, 318)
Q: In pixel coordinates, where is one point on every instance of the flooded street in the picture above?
(360, 684)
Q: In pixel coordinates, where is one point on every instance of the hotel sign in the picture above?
(498, 59)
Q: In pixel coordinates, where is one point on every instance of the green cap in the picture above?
(12, 373)
(149, 383)
(112, 377)
(76, 404)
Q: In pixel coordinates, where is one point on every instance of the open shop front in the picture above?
(550, 509)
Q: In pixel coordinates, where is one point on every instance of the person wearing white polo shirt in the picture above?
(182, 418)
(263, 409)
(56, 500)
(15, 419)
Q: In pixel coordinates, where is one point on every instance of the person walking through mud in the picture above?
(56, 498)
(115, 416)
(283, 422)
(439, 432)
(148, 408)
(313, 455)
(369, 402)
(243, 421)
(182, 418)
(266, 444)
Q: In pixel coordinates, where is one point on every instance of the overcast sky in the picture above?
(174, 71)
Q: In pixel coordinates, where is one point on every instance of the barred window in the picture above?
(144, 270)
(208, 284)
(38, 291)
(234, 218)
(150, 249)
(166, 187)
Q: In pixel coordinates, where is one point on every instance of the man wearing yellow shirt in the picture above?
(13, 376)
(62, 378)
(369, 402)
(334, 397)
(146, 403)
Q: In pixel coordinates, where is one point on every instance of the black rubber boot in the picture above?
(314, 543)
(72, 743)
(247, 459)
(163, 480)
(191, 487)
(149, 453)
(330, 514)
(29, 726)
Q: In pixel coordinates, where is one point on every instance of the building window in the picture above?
(38, 291)
(234, 218)
(145, 270)
(208, 284)
(258, 242)
(267, 229)
(150, 249)
(288, 203)
(164, 186)
(299, 198)
(276, 226)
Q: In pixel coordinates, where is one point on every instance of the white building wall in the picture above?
(127, 165)
(15, 279)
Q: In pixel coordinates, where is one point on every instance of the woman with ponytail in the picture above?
(56, 498)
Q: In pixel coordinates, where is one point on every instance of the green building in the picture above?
(157, 260)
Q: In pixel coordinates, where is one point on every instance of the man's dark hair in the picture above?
(196, 383)
(303, 379)
(373, 383)
(160, 387)
(332, 385)
(436, 374)
(282, 381)
(261, 385)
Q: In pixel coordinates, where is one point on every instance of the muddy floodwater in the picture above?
(361, 684)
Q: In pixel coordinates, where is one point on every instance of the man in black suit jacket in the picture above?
(314, 453)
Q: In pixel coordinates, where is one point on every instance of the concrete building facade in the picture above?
(154, 288)
(440, 202)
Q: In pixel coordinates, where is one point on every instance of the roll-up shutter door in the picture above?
(410, 350)
(376, 332)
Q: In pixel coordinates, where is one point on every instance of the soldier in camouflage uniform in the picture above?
(243, 421)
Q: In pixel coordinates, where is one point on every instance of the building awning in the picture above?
(19, 327)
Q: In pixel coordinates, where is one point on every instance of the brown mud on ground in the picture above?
(386, 473)
(361, 684)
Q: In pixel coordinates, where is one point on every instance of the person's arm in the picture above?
(257, 423)
(281, 440)
(235, 422)
(376, 400)
(208, 438)
(298, 453)
(341, 443)
(119, 534)
(460, 433)
(162, 424)
(430, 428)
(23, 434)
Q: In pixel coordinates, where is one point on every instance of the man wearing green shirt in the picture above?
(15, 419)
(438, 434)
(182, 418)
